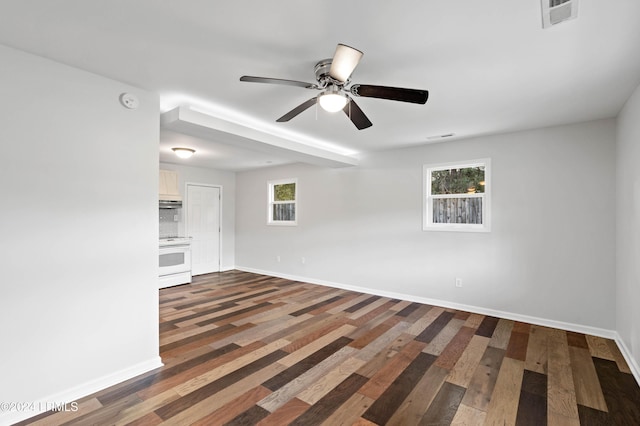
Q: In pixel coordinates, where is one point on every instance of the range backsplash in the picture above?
(169, 219)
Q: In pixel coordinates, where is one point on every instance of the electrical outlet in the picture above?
(458, 282)
(303, 260)
(278, 259)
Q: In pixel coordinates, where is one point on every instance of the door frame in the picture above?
(186, 215)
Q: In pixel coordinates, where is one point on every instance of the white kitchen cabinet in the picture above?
(168, 189)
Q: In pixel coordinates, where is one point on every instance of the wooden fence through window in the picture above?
(457, 210)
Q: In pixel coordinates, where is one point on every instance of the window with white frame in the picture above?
(457, 196)
(283, 195)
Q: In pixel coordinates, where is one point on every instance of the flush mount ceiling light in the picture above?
(183, 152)
(332, 100)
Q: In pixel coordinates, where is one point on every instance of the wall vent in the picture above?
(438, 137)
(557, 11)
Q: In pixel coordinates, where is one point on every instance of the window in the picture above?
(457, 196)
(282, 202)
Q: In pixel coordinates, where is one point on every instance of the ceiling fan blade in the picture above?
(344, 62)
(297, 110)
(296, 83)
(392, 93)
(355, 114)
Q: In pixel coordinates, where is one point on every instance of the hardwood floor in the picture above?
(245, 349)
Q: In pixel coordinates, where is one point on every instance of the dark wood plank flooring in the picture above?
(245, 349)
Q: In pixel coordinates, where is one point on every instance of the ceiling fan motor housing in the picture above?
(322, 72)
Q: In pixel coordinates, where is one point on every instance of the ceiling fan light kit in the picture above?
(333, 76)
(332, 100)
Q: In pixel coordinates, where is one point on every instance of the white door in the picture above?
(203, 226)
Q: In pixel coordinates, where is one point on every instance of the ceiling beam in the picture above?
(185, 120)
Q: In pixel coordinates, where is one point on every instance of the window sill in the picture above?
(456, 229)
(282, 223)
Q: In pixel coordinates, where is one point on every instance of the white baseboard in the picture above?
(633, 365)
(80, 391)
(578, 328)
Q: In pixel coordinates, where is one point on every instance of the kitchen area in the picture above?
(175, 247)
(196, 222)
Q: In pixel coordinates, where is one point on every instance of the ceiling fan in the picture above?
(333, 79)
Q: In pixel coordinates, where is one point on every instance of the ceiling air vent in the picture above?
(557, 11)
(438, 137)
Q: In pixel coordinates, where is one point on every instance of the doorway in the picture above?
(203, 226)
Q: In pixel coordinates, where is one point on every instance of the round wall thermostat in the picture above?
(129, 100)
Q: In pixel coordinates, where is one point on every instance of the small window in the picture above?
(457, 196)
(283, 195)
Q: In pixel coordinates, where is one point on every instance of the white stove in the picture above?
(175, 261)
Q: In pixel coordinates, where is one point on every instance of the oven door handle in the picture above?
(175, 247)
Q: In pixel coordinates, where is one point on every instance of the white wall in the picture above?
(188, 174)
(550, 254)
(628, 221)
(78, 178)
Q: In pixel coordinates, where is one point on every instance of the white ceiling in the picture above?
(488, 65)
